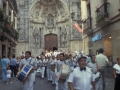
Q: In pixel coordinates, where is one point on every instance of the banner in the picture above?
(77, 27)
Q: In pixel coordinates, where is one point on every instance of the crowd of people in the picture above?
(65, 71)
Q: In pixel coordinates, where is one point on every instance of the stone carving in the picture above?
(50, 21)
(48, 0)
(63, 36)
(35, 11)
(36, 36)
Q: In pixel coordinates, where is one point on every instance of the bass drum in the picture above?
(64, 72)
(24, 73)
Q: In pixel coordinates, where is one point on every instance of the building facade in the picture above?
(8, 27)
(48, 24)
(101, 26)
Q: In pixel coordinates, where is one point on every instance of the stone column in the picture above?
(84, 9)
(7, 11)
(11, 15)
(16, 23)
(1, 4)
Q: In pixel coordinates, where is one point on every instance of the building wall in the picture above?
(34, 16)
(110, 32)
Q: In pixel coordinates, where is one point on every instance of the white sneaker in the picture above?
(7, 83)
(10, 82)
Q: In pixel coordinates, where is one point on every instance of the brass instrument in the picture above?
(53, 67)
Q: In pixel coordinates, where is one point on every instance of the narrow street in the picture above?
(42, 84)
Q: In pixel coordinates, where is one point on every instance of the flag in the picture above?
(77, 27)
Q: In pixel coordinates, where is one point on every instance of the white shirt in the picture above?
(9, 73)
(117, 68)
(81, 80)
(101, 59)
(93, 67)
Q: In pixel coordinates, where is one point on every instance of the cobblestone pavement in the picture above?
(43, 84)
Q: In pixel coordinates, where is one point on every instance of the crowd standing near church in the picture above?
(66, 71)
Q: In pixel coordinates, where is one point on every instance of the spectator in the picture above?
(4, 68)
(9, 75)
(102, 62)
(116, 72)
(13, 63)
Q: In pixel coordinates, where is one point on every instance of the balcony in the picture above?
(9, 32)
(14, 4)
(6, 29)
(87, 25)
(102, 18)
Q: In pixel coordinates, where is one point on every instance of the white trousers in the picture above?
(99, 85)
(49, 76)
(42, 72)
(29, 83)
(56, 82)
(63, 86)
(53, 77)
(34, 74)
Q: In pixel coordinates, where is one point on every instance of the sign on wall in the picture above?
(96, 38)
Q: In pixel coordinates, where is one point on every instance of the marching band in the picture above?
(65, 71)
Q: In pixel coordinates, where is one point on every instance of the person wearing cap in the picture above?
(61, 85)
(53, 63)
(42, 66)
(82, 77)
(49, 77)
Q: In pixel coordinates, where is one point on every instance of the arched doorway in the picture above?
(51, 41)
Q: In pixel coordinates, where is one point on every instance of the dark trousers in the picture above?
(17, 66)
(102, 70)
(45, 71)
(117, 82)
(13, 69)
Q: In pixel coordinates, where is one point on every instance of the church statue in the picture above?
(36, 36)
(50, 22)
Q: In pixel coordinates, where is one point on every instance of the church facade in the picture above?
(47, 24)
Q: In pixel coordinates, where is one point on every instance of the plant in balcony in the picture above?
(1, 18)
(101, 17)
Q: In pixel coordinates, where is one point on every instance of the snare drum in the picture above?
(24, 73)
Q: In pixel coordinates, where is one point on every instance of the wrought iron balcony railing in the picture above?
(11, 32)
(87, 25)
(102, 12)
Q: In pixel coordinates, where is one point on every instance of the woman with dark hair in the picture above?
(116, 72)
(4, 64)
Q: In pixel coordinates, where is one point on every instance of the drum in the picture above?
(53, 67)
(64, 72)
(24, 73)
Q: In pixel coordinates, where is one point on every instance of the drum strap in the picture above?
(30, 61)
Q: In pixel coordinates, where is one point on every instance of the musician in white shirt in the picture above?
(53, 63)
(56, 80)
(81, 78)
(97, 76)
(49, 76)
(42, 66)
(29, 83)
(61, 85)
